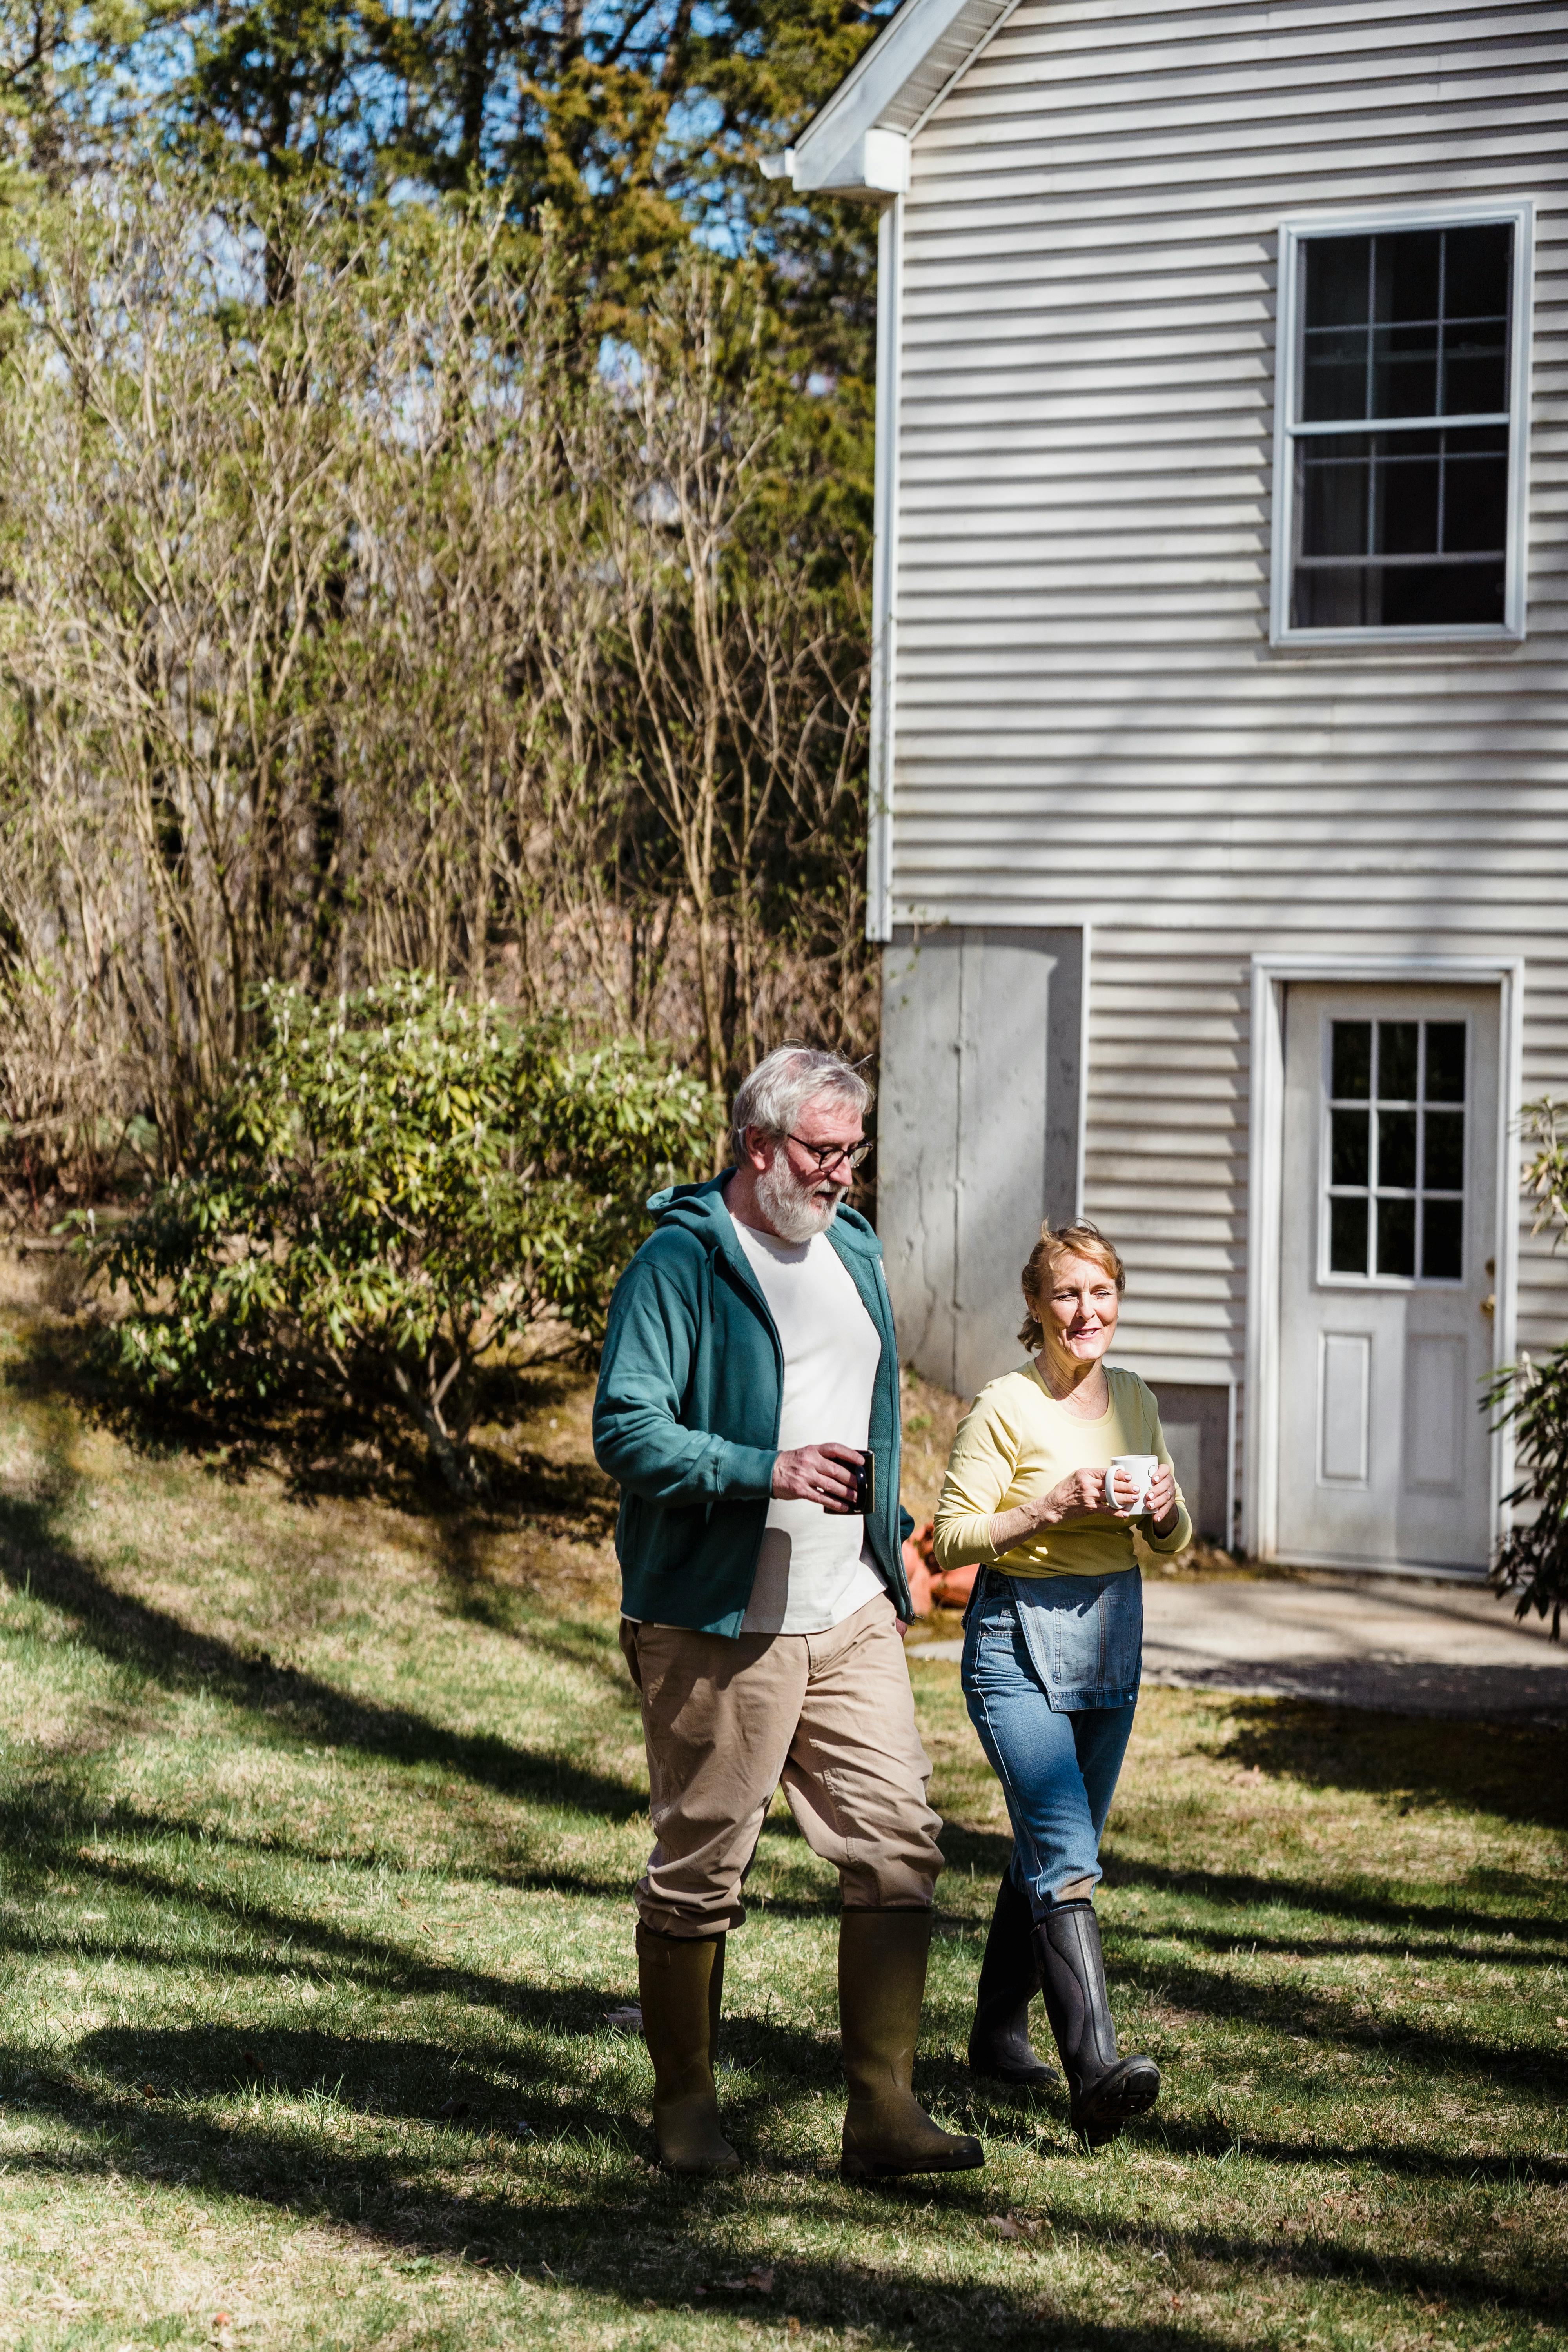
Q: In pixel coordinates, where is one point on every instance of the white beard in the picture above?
(797, 1211)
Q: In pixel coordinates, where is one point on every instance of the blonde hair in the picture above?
(1080, 1239)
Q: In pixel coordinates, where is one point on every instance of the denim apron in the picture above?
(1083, 1634)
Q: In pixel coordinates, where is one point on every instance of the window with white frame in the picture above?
(1400, 432)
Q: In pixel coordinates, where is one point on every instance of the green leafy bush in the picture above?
(1533, 1557)
(395, 1187)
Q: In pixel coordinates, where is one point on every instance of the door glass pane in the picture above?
(1352, 1078)
(1396, 1149)
(1396, 1060)
(1442, 1239)
(1445, 1169)
(1396, 1235)
(1347, 1235)
(1446, 1061)
(1350, 1151)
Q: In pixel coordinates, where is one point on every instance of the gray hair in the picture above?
(775, 1093)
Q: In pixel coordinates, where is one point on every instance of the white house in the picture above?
(1220, 770)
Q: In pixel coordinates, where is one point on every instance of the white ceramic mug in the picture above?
(1138, 1470)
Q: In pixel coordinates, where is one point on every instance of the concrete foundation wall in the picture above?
(978, 1126)
(1196, 1423)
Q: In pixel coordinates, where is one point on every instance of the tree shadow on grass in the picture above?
(326, 1447)
(605, 2223)
(477, 2088)
(784, 2053)
(1311, 2012)
(1425, 1942)
(1407, 2158)
(294, 1705)
(1518, 1771)
(432, 2083)
(1243, 1890)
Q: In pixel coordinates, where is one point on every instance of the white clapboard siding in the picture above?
(1089, 725)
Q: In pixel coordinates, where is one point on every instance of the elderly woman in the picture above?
(1052, 1653)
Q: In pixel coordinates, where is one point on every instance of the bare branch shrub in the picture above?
(376, 626)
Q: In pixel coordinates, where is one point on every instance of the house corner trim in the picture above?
(884, 568)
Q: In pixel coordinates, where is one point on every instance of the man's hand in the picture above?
(818, 1474)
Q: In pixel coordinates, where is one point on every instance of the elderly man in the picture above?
(748, 1405)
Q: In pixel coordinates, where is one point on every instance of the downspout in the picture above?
(884, 566)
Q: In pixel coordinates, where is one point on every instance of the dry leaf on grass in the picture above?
(1013, 2225)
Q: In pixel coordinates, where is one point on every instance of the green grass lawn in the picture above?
(321, 1809)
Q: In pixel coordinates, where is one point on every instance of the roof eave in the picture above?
(857, 144)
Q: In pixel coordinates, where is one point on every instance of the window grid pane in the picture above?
(1396, 1151)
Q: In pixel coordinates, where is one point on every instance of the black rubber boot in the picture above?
(680, 1979)
(1103, 2090)
(999, 2044)
(882, 1983)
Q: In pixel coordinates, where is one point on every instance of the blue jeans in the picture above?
(1050, 1676)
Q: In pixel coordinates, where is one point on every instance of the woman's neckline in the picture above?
(1088, 1419)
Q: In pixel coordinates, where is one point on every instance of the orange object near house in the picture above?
(930, 1589)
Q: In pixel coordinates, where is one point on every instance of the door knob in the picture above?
(1489, 1304)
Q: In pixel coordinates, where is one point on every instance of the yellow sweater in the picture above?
(1016, 1442)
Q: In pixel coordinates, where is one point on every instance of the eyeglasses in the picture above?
(828, 1155)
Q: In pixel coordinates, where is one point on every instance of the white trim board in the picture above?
(1271, 975)
(884, 573)
(1085, 966)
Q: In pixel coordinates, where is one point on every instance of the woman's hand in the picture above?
(1162, 1506)
(1074, 1498)
(1078, 1497)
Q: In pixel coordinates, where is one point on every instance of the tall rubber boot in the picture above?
(882, 1983)
(1103, 2090)
(999, 2044)
(680, 1979)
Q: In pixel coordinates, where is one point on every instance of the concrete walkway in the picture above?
(1378, 1642)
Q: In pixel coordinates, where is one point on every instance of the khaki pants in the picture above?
(830, 1715)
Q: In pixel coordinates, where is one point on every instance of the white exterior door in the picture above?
(1387, 1231)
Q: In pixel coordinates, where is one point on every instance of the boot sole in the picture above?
(872, 2168)
(1019, 2078)
(1101, 2120)
(718, 2171)
(1019, 2074)
(1039, 2078)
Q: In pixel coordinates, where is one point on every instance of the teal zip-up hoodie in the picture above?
(686, 1416)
